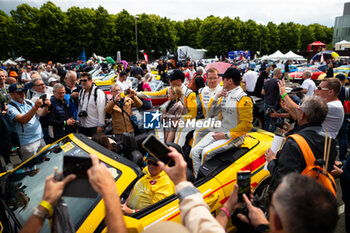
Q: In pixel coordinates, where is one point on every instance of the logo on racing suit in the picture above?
(151, 120)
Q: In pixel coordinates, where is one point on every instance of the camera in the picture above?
(43, 98)
(83, 114)
(127, 91)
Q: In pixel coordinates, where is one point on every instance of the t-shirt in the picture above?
(123, 85)
(334, 118)
(32, 131)
(146, 87)
(309, 85)
(150, 189)
(250, 80)
(272, 92)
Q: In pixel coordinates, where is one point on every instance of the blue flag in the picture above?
(82, 56)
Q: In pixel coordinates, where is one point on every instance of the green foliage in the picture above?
(49, 33)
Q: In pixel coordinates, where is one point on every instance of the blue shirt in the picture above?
(32, 131)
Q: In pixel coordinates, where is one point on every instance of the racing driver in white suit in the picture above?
(203, 99)
(236, 109)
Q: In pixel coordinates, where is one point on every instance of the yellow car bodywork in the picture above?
(215, 188)
(156, 74)
(336, 71)
(106, 81)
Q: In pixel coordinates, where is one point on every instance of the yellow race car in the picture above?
(22, 188)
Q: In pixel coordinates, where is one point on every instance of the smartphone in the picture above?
(80, 186)
(243, 181)
(157, 148)
(43, 97)
(2, 106)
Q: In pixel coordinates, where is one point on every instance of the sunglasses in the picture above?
(83, 80)
(149, 162)
(322, 88)
(40, 85)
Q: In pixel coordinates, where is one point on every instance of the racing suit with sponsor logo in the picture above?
(150, 189)
(236, 110)
(204, 96)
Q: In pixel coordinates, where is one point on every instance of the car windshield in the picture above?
(343, 71)
(155, 85)
(313, 70)
(26, 184)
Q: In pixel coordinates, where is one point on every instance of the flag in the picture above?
(145, 56)
(82, 56)
(322, 58)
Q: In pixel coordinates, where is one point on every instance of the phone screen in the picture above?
(79, 187)
(243, 181)
(156, 148)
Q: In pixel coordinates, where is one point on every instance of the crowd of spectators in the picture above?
(44, 102)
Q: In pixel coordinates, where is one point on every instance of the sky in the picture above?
(261, 11)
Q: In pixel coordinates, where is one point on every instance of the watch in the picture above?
(227, 136)
(39, 213)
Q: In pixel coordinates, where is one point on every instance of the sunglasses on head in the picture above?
(149, 162)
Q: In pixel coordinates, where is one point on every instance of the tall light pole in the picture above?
(137, 49)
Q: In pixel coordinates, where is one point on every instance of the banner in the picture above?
(146, 57)
(239, 55)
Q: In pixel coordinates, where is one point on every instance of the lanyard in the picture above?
(87, 104)
(6, 95)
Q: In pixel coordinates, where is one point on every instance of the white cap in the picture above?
(52, 79)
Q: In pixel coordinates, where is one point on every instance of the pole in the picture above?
(137, 49)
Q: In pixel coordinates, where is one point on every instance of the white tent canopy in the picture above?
(342, 45)
(9, 62)
(292, 56)
(186, 51)
(19, 59)
(278, 55)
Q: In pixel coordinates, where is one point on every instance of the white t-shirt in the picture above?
(124, 85)
(250, 80)
(309, 85)
(334, 118)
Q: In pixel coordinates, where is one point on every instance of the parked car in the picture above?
(297, 76)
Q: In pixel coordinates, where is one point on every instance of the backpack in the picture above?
(346, 103)
(312, 169)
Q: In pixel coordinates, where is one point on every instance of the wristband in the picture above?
(65, 123)
(283, 95)
(47, 206)
(133, 211)
(226, 212)
(36, 108)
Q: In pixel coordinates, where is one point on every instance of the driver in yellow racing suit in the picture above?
(236, 109)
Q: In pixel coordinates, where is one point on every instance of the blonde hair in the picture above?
(177, 91)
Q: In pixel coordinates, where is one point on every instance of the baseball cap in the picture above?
(52, 79)
(16, 87)
(232, 73)
(341, 77)
(13, 74)
(177, 74)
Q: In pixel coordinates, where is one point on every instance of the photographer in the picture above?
(60, 117)
(25, 115)
(120, 108)
(92, 102)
